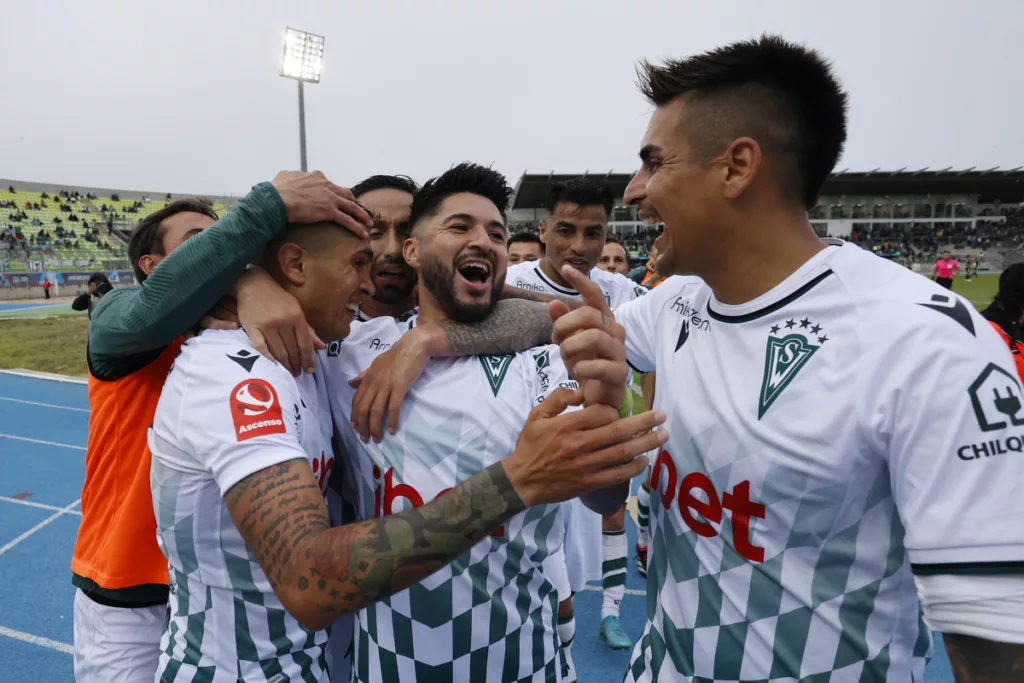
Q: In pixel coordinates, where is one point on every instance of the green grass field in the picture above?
(56, 343)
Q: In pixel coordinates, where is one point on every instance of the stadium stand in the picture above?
(72, 228)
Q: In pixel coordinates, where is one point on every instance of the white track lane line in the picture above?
(44, 405)
(41, 506)
(45, 443)
(63, 511)
(37, 640)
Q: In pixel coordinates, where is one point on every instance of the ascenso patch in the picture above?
(255, 409)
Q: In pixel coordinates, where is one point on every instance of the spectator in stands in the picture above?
(168, 196)
(614, 258)
(1006, 312)
(44, 196)
(114, 196)
(524, 246)
(10, 189)
(98, 286)
(946, 269)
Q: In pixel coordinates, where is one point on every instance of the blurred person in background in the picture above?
(614, 258)
(524, 246)
(946, 268)
(97, 286)
(1006, 312)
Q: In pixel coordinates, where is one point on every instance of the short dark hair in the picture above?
(526, 237)
(465, 177)
(385, 182)
(148, 235)
(782, 94)
(98, 278)
(612, 239)
(581, 191)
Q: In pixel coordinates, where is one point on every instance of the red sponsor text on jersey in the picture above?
(255, 409)
(322, 467)
(392, 491)
(738, 502)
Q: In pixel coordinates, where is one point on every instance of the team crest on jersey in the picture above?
(790, 345)
(255, 409)
(495, 368)
(996, 399)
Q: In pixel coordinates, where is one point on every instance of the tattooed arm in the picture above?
(320, 573)
(514, 325)
(975, 660)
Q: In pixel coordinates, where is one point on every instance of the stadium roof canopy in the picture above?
(1005, 185)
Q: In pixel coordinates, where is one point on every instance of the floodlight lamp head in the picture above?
(303, 56)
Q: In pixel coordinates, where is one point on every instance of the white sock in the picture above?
(613, 571)
(566, 633)
(643, 507)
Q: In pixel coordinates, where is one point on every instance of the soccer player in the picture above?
(462, 416)
(574, 234)
(388, 198)
(524, 246)
(839, 428)
(614, 258)
(185, 260)
(946, 268)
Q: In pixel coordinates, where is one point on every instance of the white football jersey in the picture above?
(490, 614)
(583, 531)
(618, 289)
(225, 413)
(846, 429)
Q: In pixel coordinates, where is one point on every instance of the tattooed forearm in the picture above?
(509, 292)
(975, 660)
(513, 326)
(370, 560)
(321, 573)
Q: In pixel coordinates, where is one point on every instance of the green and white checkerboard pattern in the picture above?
(228, 607)
(823, 609)
(486, 618)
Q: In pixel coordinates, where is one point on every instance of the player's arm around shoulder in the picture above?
(950, 412)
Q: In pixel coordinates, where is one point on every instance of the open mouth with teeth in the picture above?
(476, 274)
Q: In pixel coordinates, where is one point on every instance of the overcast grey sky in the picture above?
(184, 95)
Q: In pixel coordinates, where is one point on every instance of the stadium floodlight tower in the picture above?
(303, 59)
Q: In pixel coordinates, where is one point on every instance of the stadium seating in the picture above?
(102, 218)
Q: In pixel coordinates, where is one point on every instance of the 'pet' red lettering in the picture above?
(700, 514)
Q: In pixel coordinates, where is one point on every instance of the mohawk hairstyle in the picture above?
(465, 177)
(581, 191)
(782, 94)
(385, 182)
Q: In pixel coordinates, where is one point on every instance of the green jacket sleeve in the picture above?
(142, 319)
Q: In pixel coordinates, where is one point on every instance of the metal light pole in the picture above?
(303, 59)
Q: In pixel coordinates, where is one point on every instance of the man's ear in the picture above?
(148, 262)
(540, 229)
(293, 263)
(411, 252)
(742, 160)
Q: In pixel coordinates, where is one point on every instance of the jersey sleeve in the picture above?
(953, 430)
(547, 373)
(236, 425)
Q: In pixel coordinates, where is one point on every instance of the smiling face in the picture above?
(460, 253)
(327, 269)
(393, 279)
(574, 235)
(673, 188)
